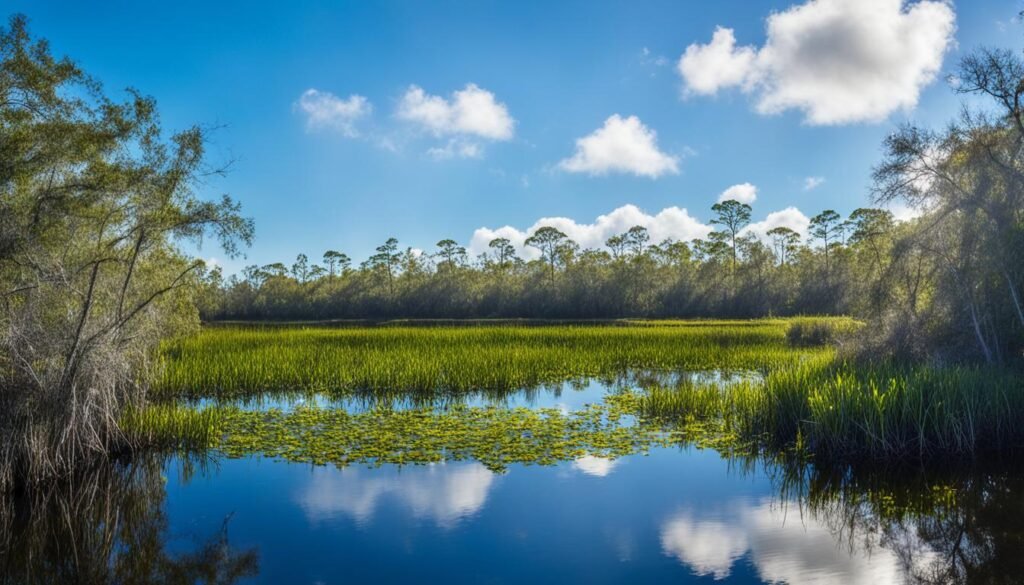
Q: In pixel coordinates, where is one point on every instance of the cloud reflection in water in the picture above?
(783, 547)
(443, 493)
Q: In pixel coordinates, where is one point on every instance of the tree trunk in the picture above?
(978, 333)
(1015, 297)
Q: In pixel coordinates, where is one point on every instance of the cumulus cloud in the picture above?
(812, 183)
(744, 193)
(782, 549)
(324, 110)
(471, 111)
(622, 145)
(790, 217)
(836, 61)
(718, 64)
(671, 222)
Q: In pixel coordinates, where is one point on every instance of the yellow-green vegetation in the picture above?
(229, 362)
(173, 426)
(847, 412)
(811, 331)
(803, 399)
(493, 436)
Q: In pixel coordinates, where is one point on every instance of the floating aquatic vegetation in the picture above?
(494, 436)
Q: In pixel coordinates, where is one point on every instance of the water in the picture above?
(675, 515)
(669, 517)
(566, 396)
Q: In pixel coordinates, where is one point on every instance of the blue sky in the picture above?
(760, 102)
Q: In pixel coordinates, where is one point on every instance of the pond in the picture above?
(674, 513)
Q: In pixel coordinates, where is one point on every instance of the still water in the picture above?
(675, 515)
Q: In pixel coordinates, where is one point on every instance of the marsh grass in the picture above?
(174, 426)
(804, 399)
(812, 331)
(844, 412)
(229, 362)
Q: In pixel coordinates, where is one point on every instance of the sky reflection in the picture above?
(443, 493)
(783, 545)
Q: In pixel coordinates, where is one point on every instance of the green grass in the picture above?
(845, 412)
(805, 400)
(227, 362)
(174, 426)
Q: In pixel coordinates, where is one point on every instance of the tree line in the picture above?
(730, 273)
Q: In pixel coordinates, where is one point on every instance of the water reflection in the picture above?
(674, 516)
(596, 466)
(782, 545)
(443, 493)
(568, 395)
(110, 526)
(965, 526)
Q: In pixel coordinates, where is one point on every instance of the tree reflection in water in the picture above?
(110, 526)
(953, 527)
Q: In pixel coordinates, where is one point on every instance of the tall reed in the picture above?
(239, 361)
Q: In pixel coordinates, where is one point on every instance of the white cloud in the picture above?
(796, 549)
(324, 110)
(596, 466)
(622, 145)
(456, 148)
(444, 493)
(744, 193)
(708, 68)
(903, 212)
(835, 60)
(790, 217)
(671, 222)
(471, 111)
(812, 183)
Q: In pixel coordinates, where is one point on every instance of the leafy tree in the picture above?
(94, 204)
(451, 254)
(637, 238)
(733, 216)
(335, 260)
(504, 251)
(387, 260)
(785, 241)
(869, 227)
(617, 244)
(547, 239)
(825, 226)
(671, 253)
(969, 179)
(300, 270)
(275, 270)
